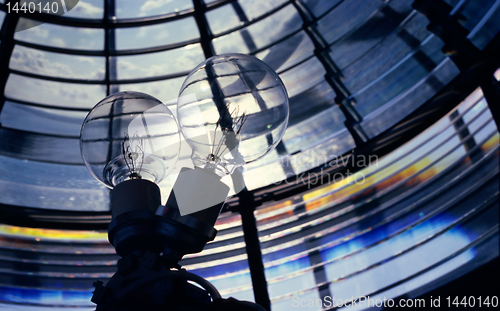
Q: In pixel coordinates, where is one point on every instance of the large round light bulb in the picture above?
(129, 135)
(232, 109)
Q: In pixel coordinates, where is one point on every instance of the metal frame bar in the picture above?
(102, 53)
(206, 36)
(6, 48)
(445, 25)
(253, 249)
(332, 75)
(491, 91)
(109, 45)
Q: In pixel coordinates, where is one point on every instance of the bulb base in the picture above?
(139, 231)
(134, 195)
(139, 225)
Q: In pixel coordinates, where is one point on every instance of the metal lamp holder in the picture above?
(151, 239)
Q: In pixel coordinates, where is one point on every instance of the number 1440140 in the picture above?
(33, 7)
(471, 301)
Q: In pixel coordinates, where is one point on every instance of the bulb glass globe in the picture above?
(232, 109)
(129, 135)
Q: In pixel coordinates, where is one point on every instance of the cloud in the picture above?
(152, 5)
(157, 64)
(35, 61)
(38, 32)
(58, 42)
(29, 60)
(85, 9)
(54, 93)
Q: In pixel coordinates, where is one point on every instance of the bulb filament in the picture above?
(230, 135)
(133, 153)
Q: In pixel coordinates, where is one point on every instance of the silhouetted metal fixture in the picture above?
(130, 142)
(150, 238)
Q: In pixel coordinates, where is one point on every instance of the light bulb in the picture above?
(129, 135)
(232, 109)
